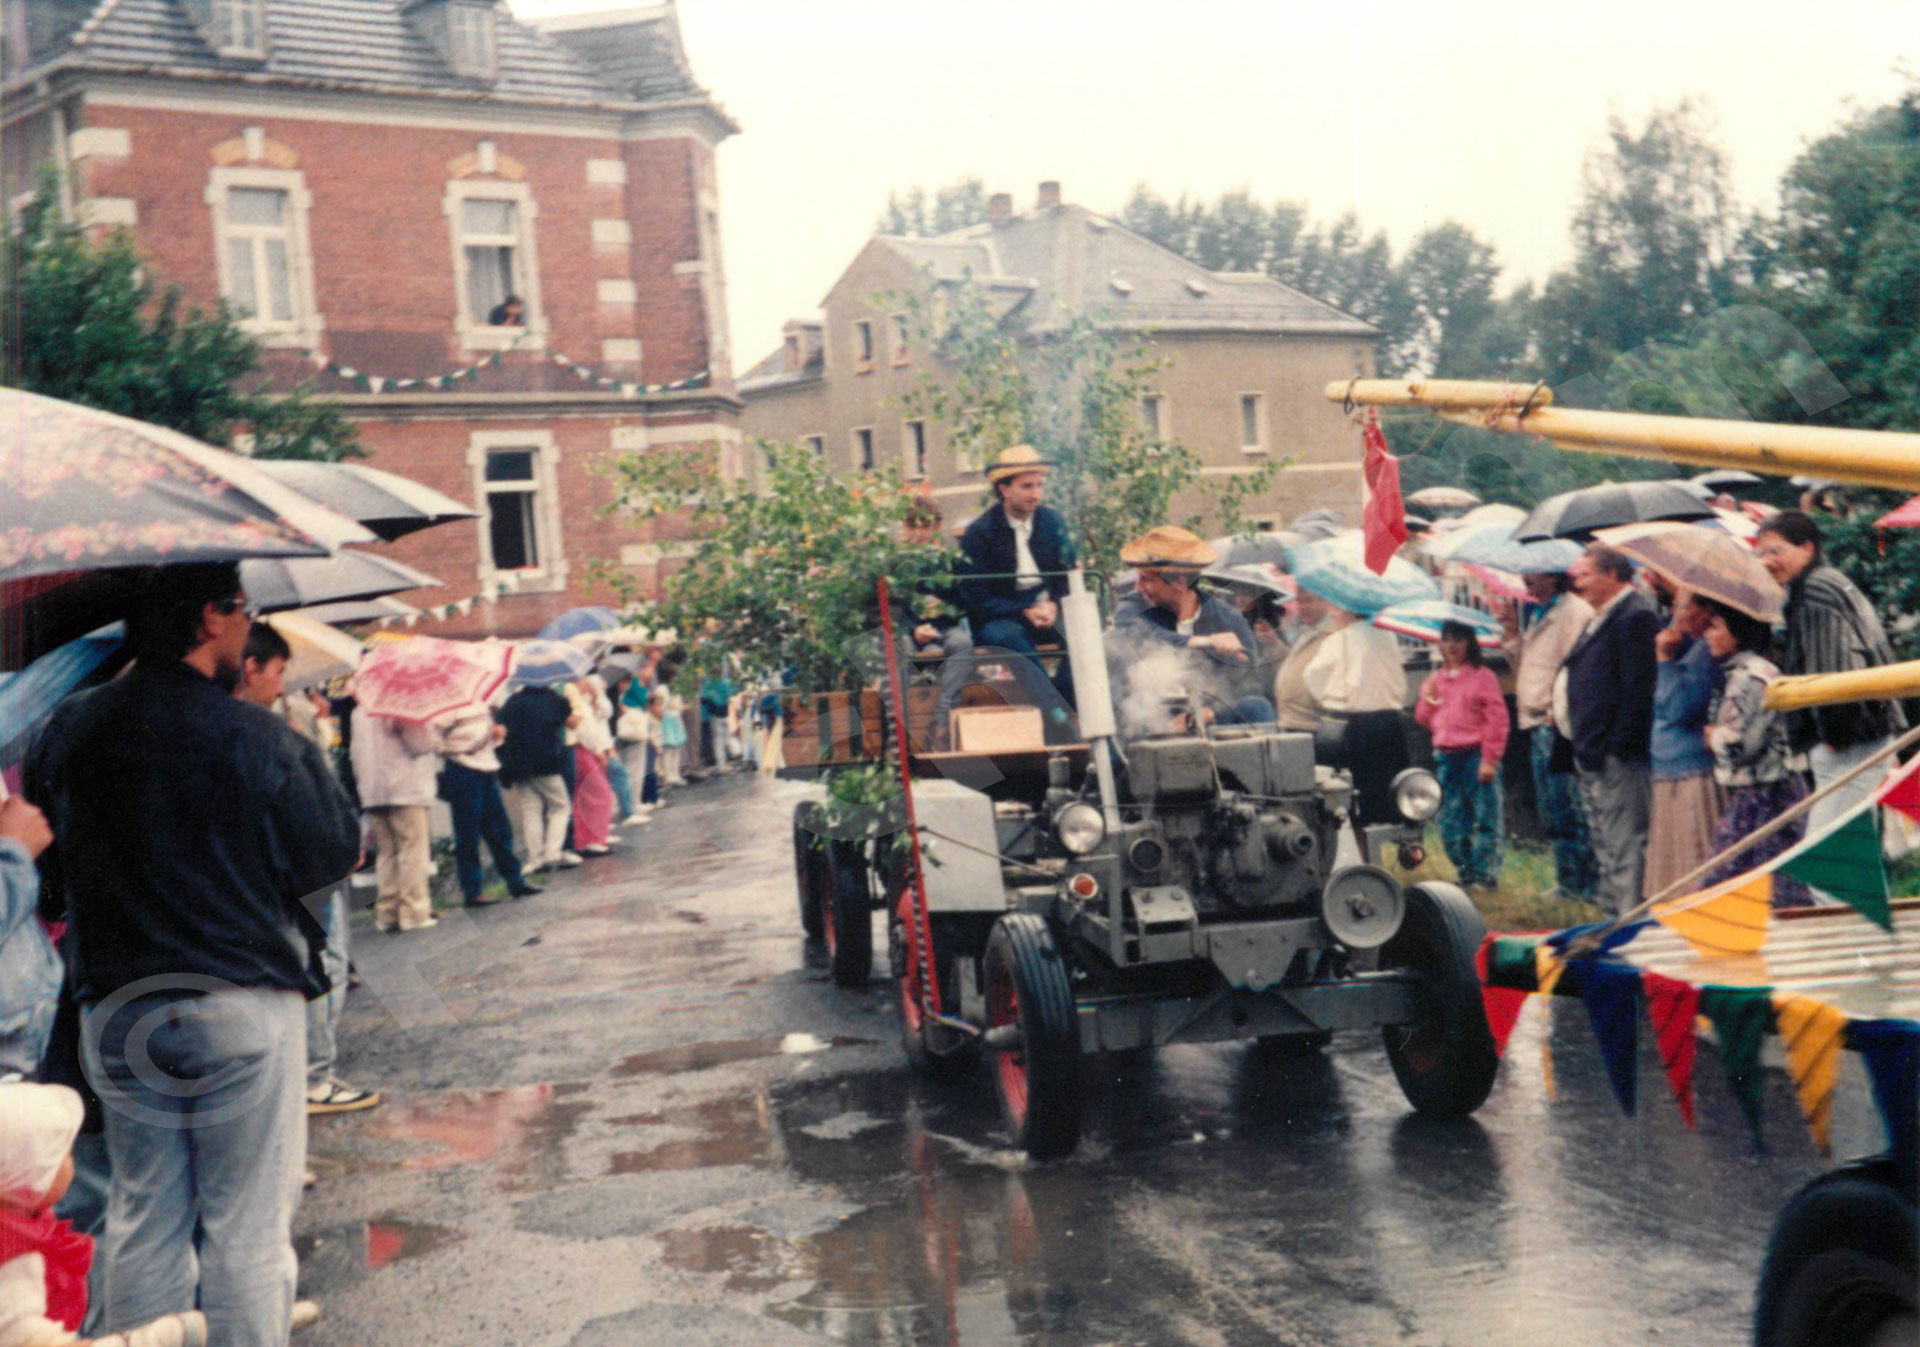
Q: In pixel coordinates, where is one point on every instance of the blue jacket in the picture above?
(1610, 677)
(30, 970)
(986, 588)
(1683, 693)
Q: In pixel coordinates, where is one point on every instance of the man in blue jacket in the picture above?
(1607, 711)
(1016, 555)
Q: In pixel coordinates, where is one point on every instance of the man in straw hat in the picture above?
(1017, 554)
(1171, 609)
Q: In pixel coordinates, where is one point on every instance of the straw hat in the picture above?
(1014, 462)
(1165, 547)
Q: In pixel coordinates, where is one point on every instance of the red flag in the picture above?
(1503, 1004)
(1385, 518)
(1904, 794)
(1672, 1006)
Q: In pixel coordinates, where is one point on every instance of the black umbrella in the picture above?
(1577, 514)
(390, 505)
(1723, 479)
(1256, 548)
(274, 584)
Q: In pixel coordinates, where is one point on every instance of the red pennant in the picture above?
(1672, 1006)
(1384, 521)
(1503, 1004)
(1904, 794)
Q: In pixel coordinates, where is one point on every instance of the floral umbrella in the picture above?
(1704, 560)
(1336, 569)
(425, 677)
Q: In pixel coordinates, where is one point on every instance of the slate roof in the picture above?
(371, 45)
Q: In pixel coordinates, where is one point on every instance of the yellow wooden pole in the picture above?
(1866, 457)
(1886, 683)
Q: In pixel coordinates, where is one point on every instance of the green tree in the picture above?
(782, 575)
(1074, 395)
(909, 214)
(84, 321)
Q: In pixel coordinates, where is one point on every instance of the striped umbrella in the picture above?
(1336, 569)
(1423, 618)
(546, 664)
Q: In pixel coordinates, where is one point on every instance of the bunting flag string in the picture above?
(1503, 1004)
(1548, 967)
(1672, 1005)
(1891, 1049)
(1812, 1031)
(1847, 864)
(1612, 995)
(1741, 1017)
(378, 383)
(1730, 919)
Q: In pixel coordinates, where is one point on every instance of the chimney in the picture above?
(1000, 207)
(1049, 195)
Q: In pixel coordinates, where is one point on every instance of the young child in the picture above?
(673, 735)
(1462, 707)
(43, 1263)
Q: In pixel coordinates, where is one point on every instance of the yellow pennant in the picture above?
(1547, 968)
(1731, 919)
(1812, 1031)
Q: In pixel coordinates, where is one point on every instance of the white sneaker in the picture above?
(595, 849)
(637, 817)
(306, 1313)
(569, 859)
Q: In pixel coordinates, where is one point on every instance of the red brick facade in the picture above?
(624, 258)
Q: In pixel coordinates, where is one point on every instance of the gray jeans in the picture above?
(323, 1015)
(1619, 802)
(207, 1129)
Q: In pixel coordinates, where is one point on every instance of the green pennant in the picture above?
(1741, 1018)
(1510, 962)
(1847, 864)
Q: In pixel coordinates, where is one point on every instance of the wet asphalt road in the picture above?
(633, 1110)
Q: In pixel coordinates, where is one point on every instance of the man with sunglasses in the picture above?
(191, 826)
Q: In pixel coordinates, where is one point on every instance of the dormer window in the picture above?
(473, 47)
(233, 27)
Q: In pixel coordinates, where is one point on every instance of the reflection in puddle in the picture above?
(721, 1052)
(392, 1241)
(750, 1258)
(518, 1131)
(342, 1255)
(733, 1131)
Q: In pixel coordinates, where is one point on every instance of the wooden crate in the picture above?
(993, 729)
(831, 729)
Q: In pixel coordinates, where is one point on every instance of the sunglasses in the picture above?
(229, 606)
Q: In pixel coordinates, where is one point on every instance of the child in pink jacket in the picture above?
(1462, 708)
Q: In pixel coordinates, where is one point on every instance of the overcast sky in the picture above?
(1407, 113)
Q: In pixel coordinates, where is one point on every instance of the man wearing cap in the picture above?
(1167, 562)
(1016, 554)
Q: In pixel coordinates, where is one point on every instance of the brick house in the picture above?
(1246, 357)
(367, 181)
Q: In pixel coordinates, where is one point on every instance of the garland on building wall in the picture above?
(378, 383)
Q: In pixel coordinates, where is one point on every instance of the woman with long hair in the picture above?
(1462, 707)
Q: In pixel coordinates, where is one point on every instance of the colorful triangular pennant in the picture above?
(1503, 1004)
(1741, 1017)
(1731, 919)
(1672, 1006)
(1812, 1032)
(1904, 794)
(1846, 863)
(1612, 993)
(1548, 967)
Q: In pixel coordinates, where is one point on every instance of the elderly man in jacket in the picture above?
(397, 771)
(1604, 701)
(191, 826)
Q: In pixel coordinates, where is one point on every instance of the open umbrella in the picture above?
(1444, 498)
(1336, 570)
(1493, 546)
(577, 620)
(423, 677)
(1904, 517)
(27, 698)
(274, 583)
(1706, 561)
(389, 504)
(1256, 548)
(1320, 523)
(1580, 514)
(357, 610)
(1725, 479)
(1267, 579)
(546, 664)
(319, 651)
(1423, 618)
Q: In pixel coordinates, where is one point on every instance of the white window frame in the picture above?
(910, 469)
(855, 455)
(1259, 446)
(863, 336)
(550, 576)
(1161, 430)
(220, 18)
(303, 329)
(486, 28)
(900, 339)
(475, 332)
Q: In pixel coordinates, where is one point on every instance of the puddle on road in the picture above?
(736, 1130)
(341, 1255)
(393, 1241)
(749, 1258)
(518, 1131)
(722, 1052)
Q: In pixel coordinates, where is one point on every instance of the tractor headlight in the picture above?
(1416, 794)
(1080, 828)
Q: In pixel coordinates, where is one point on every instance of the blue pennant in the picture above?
(1612, 993)
(1891, 1049)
